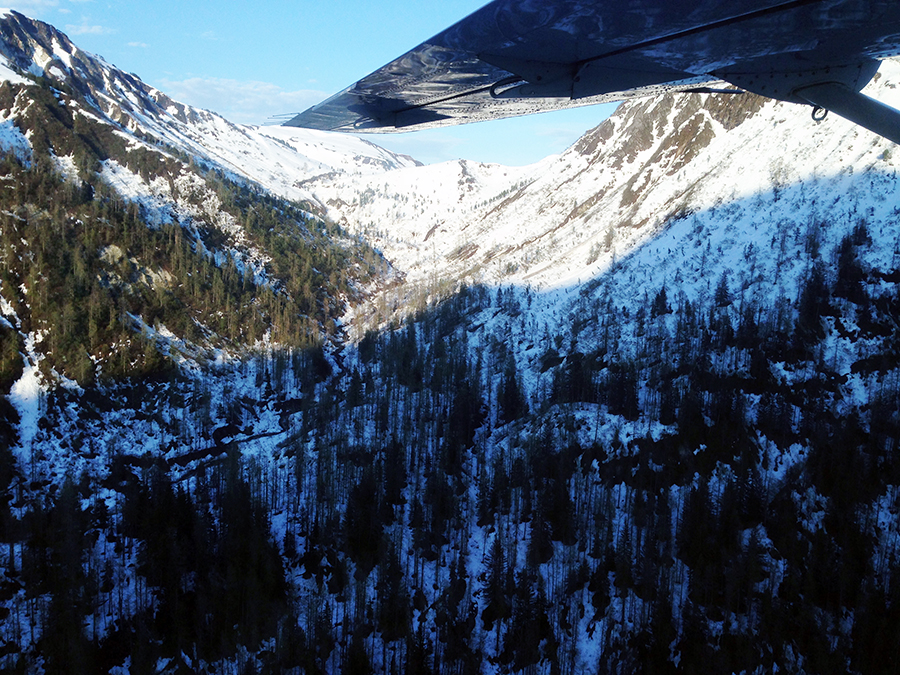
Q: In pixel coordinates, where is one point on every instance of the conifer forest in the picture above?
(223, 481)
(672, 503)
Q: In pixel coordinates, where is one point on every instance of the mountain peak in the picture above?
(36, 47)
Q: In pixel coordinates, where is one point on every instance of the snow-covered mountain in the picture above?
(274, 156)
(167, 159)
(563, 220)
(642, 415)
(557, 223)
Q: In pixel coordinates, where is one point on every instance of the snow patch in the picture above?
(26, 396)
(66, 166)
(9, 75)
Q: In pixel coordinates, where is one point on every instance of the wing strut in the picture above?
(854, 106)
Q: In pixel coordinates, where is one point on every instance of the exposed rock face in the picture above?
(40, 49)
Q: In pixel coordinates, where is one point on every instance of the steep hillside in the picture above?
(131, 239)
(273, 156)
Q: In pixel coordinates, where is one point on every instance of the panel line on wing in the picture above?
(722, 23)
(579, 67)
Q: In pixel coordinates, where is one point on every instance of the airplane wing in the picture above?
(516, 57)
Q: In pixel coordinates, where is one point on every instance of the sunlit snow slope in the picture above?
(278, 158)
(564, 220)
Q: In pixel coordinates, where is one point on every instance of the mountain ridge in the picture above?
(666, 159)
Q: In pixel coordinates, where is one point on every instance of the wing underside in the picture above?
(517, 57)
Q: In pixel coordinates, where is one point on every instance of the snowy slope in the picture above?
(638, 195)
(565, 219)
(278, 158)
(557, 223)
(661, 175)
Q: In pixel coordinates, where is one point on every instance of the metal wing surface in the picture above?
(515, 57)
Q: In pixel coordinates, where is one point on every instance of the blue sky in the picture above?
(251, 61)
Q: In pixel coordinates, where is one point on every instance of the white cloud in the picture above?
(42, 9)
(23, 5)
(246, 102)
(142, 45)
(85, 29)
(32, 8)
